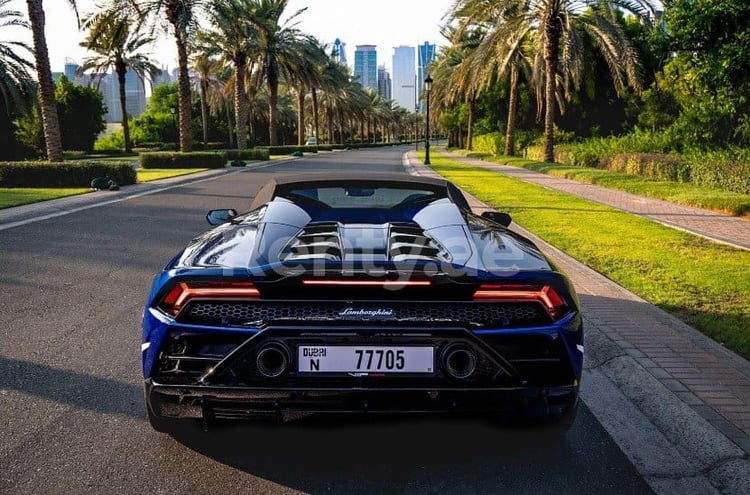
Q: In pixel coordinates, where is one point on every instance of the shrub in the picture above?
(65, 174)
(248, 154)
(492, 143)
(194, 159)
(652, 165)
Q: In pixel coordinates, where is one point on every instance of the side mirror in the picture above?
(217, 217)
(498, 217)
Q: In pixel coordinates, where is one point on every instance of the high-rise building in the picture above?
(404, 90)
(366, 66)
(135, 96)
(162, 77)
(426, 55)
(70, 69)
(384, 83)
(339, 51)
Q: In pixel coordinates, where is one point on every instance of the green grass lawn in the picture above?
(17, 196)
(703, 283)
(681, 193)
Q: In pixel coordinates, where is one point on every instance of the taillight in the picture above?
(182, 292)
(546, 295)
(367, 283)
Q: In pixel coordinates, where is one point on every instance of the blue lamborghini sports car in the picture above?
(367, 293)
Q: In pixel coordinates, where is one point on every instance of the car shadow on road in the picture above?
(70, 387)
(367, 454)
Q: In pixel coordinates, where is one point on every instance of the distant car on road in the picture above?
(311, 141)
(377, 293)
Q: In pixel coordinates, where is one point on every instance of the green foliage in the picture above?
(30, 133)
(492, 143)
(80, 110)
(728, 170)
(194, 159)
(248, 154)
(65, 174)
(650, 165)
(114, 141)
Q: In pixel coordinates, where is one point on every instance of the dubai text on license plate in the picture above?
(353, 359)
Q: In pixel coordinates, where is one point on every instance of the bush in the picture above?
(492, 143)
(65, 174)
(194, 159)
(114, 141)
(652, 165)
(248, 154)
(728, 170)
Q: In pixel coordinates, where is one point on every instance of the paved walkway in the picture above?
(650, 378)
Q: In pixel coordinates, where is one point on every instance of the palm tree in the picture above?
(232, 36)
(559, 26)
(496, 49)
(281, 50)
(182, 17)
(334, 80)
(50, 121)
(116, 42)
(307, 76)
(206, 79)
(16, 84)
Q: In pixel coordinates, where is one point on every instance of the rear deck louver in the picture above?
(316, 242)
(409, 242)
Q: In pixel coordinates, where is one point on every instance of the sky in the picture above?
(384, 23)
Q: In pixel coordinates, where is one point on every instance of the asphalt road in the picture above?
(71, 412)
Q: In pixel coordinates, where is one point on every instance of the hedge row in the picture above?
(248, 154)
(728, 171)
(63, 174)
(193, 159)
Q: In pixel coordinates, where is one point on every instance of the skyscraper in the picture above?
(366, 66)
(339, 52)
(426, 55)
(384, 83)
(404, 92)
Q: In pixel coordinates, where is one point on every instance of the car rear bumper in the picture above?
(210, 402)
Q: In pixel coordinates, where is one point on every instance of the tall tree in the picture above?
(560, 27)
(233, 36)
(50, 120)
(281, 50)
(16, 83)
(205, 77)
(181, 18)
(117, 43)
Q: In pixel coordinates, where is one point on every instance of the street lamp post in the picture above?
(427, 88)
(173, 111)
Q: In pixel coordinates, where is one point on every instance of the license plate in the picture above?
(365, 359)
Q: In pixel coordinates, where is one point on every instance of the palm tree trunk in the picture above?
(470, 124)
(121, 70)
(230, 129)
(315, 113)
(273, 99)
(510, 128)
(551, 54)
(300, 117)
(50, 121)
(204, 112)
(240, 104)
(183, 91)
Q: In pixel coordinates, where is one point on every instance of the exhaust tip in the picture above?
(273, 359)
(459, 361)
